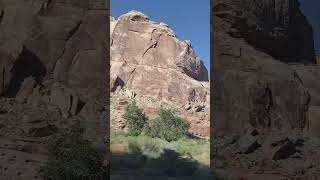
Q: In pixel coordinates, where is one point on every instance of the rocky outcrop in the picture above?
(55, 42)
(309, 75)
(276, 27)
(148, 59)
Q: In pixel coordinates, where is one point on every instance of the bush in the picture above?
(73, 158)
(169, 126)
(135, 118)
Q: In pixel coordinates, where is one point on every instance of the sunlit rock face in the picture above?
(149, 59)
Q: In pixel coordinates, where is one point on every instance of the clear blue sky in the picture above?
(311, 9)
(190, 19)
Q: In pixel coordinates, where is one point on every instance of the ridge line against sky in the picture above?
(189, 19)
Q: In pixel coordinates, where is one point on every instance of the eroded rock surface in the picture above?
(265, 106)
(149, 59)
(150, 65)
(253, 88)
(53, 74)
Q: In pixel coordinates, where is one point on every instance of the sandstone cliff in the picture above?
(148, 59)
(152, 66)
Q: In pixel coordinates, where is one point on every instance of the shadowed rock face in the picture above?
(148, 59)
(276, 27)
(266, 110)
(251, 87)
(27, 65)
(68, 40)
(53, 67)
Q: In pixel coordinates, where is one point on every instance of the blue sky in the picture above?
(310, 9)
(190, 19)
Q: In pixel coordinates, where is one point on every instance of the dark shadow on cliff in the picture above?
(27, 65)
(169, 165)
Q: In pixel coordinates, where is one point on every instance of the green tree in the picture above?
(169, 126)
(135, 119)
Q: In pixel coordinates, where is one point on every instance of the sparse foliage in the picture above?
(73, 158)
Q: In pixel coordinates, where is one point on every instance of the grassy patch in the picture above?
(198, 149)
(185, 157)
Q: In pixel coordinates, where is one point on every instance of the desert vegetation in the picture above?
(161, 147)
(135, 119)
(167, 126)
(71, 157)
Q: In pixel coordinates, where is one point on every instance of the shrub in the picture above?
(73, 158)
(135, 118)
(169, 126)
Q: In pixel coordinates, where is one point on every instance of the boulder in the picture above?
(26, 89)
(285, 150)
(248, 144)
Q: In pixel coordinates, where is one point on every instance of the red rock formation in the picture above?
(148, 59)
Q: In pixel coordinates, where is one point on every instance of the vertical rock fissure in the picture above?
(71, 103)
(69, 36)
(74, 30)
(263, 106)
(1, 16)
(154, 45)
